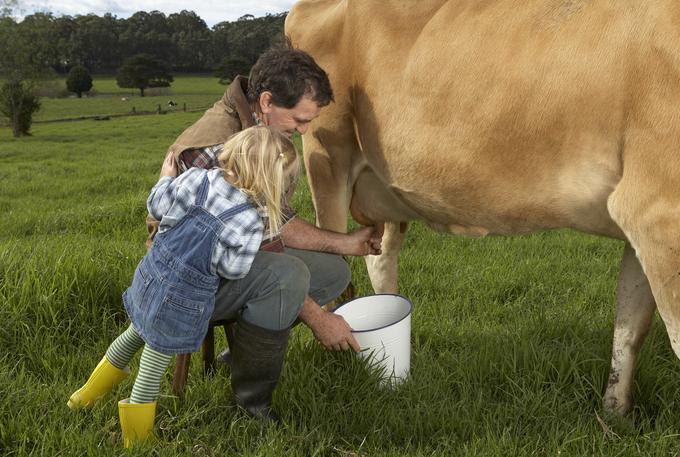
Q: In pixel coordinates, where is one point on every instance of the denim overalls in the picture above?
(172, 295)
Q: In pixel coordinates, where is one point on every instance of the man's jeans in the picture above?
(272, 293)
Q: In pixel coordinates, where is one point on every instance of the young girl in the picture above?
(210, 227)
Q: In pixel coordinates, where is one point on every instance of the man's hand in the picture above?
(169, 167)
(364, 241)
(331, 330)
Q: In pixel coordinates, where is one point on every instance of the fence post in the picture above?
(184, 107)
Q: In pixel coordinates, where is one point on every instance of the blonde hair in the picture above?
(262, 162)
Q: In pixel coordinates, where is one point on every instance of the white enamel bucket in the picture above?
(381, 325)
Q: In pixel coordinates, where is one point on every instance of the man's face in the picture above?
(290, 120)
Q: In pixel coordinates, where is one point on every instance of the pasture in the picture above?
(108, 99)
(510, 346)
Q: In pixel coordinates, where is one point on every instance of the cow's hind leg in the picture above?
(645, 204)
(634, 311)
(382, 269)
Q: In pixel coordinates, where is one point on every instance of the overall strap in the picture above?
(202, 192)
(233, 211)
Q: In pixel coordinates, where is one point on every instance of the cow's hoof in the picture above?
(614, 424)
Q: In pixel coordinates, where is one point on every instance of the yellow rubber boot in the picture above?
(102, 380)
(136, 421)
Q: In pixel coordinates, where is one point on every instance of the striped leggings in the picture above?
(152, 365)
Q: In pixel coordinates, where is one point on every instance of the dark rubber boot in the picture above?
(256, 362)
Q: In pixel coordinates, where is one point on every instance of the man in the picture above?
(295, 271)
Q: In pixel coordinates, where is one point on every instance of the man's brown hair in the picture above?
(289, 74)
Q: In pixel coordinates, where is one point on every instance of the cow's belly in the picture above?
(466, 199)
(506, 168)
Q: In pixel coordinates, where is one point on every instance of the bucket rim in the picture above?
(410, 310)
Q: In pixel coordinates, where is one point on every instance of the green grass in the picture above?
(107, 98)
(183, 84)
(65, 108)
(510, 345)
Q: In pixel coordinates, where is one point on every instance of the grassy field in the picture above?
(107, 98)
(511, 336)
(183, 84)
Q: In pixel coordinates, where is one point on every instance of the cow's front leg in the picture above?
(382, 269)
(634, 311)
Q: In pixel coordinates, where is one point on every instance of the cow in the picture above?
(507, 117)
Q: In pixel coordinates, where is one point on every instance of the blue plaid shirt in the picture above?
(171, 198)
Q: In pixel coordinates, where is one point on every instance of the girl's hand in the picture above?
(169, 167)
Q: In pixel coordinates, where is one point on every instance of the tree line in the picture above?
(182, 40)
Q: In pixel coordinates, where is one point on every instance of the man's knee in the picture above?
(272, 293)
(330, 274)
(282, 288)
(330, 279)
(292, 277)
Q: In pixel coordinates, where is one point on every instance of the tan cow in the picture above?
(507, 117)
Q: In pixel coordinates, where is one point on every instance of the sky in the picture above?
(211, 11)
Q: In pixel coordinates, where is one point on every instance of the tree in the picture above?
(18, 103)
(79, 80)
(41, 34)
(230, 68)
(246, 38)
(21, 65)
(142, 71)
(91, 41)
(191, 39)
(147, 33)
(7, 7)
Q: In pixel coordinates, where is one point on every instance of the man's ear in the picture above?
(265, 102)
